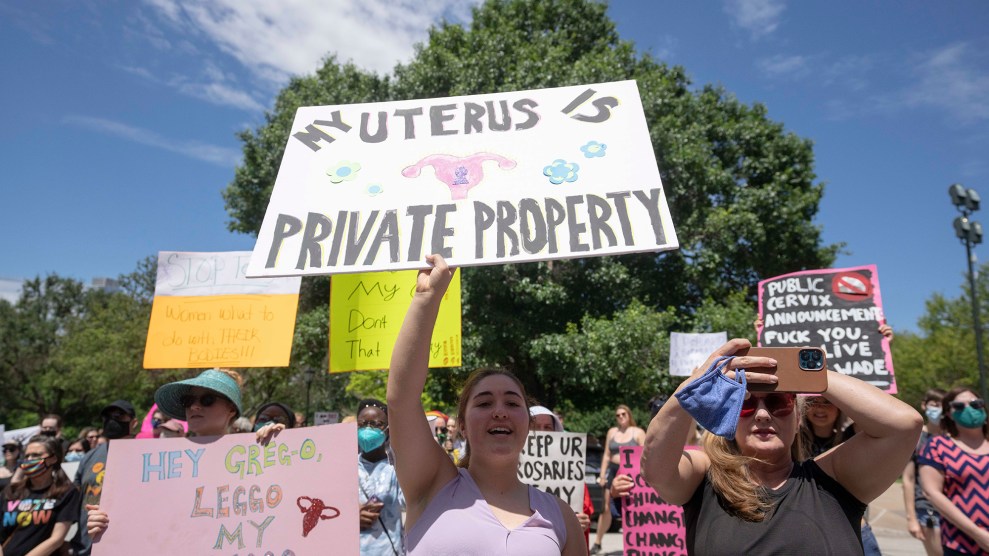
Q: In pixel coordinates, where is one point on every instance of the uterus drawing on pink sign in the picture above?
(460, 174)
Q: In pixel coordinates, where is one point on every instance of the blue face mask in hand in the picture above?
(714, 400)
(370, 439)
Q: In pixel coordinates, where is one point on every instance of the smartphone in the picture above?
(799, 369)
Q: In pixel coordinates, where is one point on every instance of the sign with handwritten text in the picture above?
(366, 311)
(554, 462)
(207, 313)
(229, 495)
(485, 179)
(650, 526)
(688, 351)
(837, 309)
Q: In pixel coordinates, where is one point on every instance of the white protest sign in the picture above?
(554, 462)
(484, 179)
(688, 350)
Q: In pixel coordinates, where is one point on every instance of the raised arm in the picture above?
(886, 433)
(420, 463)
(674, 472)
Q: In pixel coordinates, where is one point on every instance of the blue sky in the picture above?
(119, 118)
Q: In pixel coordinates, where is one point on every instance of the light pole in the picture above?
(310, 374)
(970, 233)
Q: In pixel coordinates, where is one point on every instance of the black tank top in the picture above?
(812, 514)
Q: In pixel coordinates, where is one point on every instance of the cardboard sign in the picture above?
(228, 495)
(839, 310)
(484, 179)
(206, 313)
(688, 351)
(367, 310)
(650, 526)
(554, 462)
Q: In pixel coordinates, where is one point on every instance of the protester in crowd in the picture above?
(118, 422)
(954, 473)
(381, 499)
(749, 493)
(171, 428)
(455, 441)
(923, 521)
(209, 403)
(274, 413)
(545, 420)
(482, 507)
(91, 435)
(51, 425)
(438, 420)
(300, 419)
(77, 450)
(39, 509)
(624, 434)
(11, 459)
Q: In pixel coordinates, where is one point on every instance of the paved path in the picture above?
(886, 514)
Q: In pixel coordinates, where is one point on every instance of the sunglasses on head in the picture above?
(206, 400)
(974, 404)
(779, 405)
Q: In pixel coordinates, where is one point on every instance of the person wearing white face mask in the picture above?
(923, 521)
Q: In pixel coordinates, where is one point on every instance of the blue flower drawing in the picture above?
(593, 149)
(344, 171)
(375, 189)
(561, 171)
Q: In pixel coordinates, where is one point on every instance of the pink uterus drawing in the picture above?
(460, 174)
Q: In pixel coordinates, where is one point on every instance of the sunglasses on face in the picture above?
(441, 430)
(779, 405)
(974, 404)
(373, 424)
(206, 400)
(10, 449)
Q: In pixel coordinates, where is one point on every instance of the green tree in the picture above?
(741, 188)
(943, 354)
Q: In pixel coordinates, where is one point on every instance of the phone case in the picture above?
(791, 377)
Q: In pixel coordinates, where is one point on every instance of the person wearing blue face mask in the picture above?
(954, 472)
(380, 497)
(923, 521)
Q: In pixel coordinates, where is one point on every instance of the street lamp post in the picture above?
(970, 233)
(310, 374)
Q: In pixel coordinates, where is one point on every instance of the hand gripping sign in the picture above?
(484, 179)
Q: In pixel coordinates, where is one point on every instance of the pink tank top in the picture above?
(458, 521)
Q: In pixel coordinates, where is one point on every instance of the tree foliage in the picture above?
(592, 331)
(943, 355)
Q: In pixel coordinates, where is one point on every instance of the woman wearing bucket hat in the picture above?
(209, 403)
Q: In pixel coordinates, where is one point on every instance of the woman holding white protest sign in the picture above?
(748, 492)
(482, 507)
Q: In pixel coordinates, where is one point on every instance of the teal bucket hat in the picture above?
(169, 396)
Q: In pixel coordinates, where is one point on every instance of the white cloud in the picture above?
(219, 93)
(10, 289)
(759, 17)
(784, 66)
(953, 79)
(276, 40)
(213, 154)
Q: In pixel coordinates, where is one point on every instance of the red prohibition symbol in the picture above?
(851, 286)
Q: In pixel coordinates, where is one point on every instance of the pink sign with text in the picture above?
(229, 495)
(650, 526)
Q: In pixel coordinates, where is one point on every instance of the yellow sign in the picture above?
(366, 312)
(206, 313)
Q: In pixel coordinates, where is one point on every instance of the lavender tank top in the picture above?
(458, 521)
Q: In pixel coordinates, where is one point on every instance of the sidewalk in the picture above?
(886, 514)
